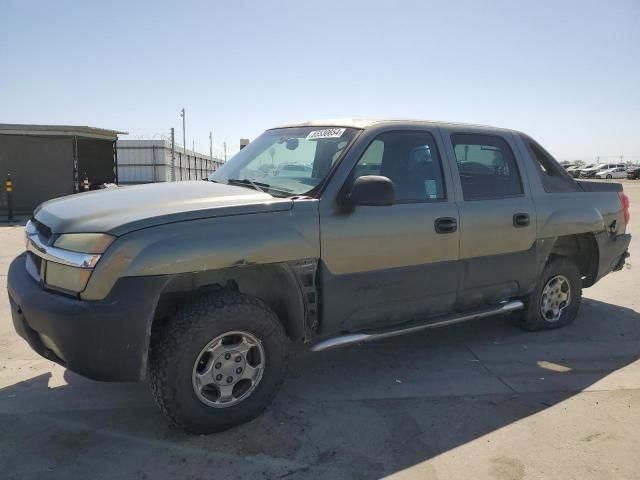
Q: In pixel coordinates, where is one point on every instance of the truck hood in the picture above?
(120, 210)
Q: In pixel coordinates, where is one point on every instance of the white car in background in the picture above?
(616, 172)
(593, 170)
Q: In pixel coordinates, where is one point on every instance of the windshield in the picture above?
(287, 161)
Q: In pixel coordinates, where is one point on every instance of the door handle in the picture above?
(446, 225)
(521, 220)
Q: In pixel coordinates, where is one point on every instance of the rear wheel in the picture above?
(218, 362)
(555, 301)
(609, 177)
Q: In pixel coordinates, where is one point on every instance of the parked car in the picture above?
(591, 171)
(633, 173)
(609, 173)
(574, 171)
(199, 287)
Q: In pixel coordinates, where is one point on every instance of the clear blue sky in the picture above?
(566, 72)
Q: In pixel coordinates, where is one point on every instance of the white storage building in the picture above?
(150, 161)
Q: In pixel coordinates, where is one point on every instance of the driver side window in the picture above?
(410, 160)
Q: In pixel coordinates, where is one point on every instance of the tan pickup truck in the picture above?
(327, 233)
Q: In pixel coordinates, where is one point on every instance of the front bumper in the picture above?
(103, 340)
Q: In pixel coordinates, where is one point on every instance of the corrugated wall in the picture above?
(149, 161)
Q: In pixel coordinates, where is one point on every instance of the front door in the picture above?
(384, 265)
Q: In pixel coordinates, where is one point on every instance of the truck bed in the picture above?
(599, 186)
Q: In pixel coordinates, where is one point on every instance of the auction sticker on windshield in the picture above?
(326, 133)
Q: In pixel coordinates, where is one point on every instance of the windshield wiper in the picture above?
(248, 183)
(279, 192)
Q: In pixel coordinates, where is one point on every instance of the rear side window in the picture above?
(486, 166)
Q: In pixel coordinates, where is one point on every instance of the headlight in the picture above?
(84, 242)
(68, 263)
(72, 278)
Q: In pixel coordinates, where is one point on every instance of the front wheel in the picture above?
(609, 177)
(218, 362)
(555, 301)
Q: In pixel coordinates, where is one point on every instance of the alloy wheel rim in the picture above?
(228, 369)
(556, 296)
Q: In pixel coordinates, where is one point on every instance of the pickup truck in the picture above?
(198, 287)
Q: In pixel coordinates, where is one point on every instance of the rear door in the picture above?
(497, 216)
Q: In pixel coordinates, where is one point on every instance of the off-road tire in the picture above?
(531, 318)
(181, 338)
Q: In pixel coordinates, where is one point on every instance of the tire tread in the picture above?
(530, 319)
(185, 327)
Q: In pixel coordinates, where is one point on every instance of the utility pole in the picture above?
(173, 154)
(210, 152)
(225, 150)
(184, 141)
(195, 160)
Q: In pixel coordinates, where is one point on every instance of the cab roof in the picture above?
(363, 123)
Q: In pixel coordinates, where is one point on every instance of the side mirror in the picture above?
(371, 190)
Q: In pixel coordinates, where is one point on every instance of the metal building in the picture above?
(49, 161)
(150, 161)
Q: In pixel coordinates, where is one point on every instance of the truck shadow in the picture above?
(364, 411)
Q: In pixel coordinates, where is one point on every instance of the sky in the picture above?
(565, 72)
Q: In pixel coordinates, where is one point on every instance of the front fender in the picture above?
(209, 244)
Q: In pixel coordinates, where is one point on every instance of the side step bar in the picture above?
(369, 336)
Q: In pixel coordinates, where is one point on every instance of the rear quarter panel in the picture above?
(570, 213)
